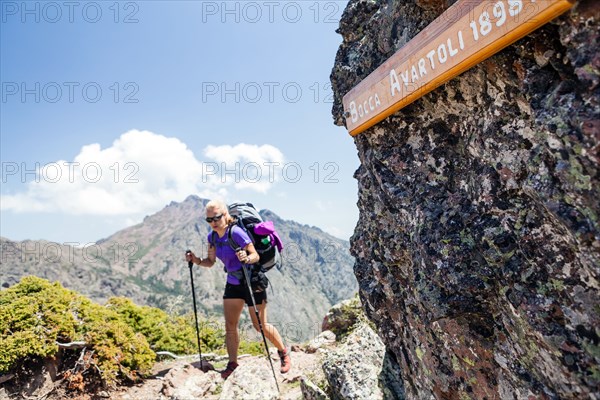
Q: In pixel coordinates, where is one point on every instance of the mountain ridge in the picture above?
(145, 262)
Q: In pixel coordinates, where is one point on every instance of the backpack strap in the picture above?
(254, 268)
(237, 274)
(232, 242)
(213, 242)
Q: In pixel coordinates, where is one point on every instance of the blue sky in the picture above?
(123, 107)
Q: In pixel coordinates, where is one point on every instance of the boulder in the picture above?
(186, 382)
(251, 381)
(478, 242)
(324, 339)
(342, 317)
(311, 391)
(354, 370)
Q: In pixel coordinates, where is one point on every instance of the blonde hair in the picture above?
(221, 207)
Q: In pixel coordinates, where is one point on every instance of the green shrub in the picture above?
(165, 332)
(122, 335)
(343, 317)
(254, 348)
(37, 314)
(176, 334)
(34, 315)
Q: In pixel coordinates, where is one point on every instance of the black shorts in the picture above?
(241, 292)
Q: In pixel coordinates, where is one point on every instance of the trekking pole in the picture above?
(208, 366)
(247, 276)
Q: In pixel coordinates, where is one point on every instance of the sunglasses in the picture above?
(213, 219)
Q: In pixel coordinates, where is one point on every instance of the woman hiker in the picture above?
(236, 291)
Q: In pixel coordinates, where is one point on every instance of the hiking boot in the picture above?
(286, 361)
(231, 366)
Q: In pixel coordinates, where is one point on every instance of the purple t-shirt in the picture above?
(226, 254)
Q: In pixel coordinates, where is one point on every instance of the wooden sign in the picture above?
(467, 33)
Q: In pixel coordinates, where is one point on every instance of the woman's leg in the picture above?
(271, 333)
(232, 308)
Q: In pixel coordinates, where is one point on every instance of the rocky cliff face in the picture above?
(478, 245)
(146, 263)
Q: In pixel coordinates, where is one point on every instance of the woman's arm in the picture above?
(207, 262)
(248, 255)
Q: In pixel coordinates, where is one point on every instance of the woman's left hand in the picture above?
(243, 256)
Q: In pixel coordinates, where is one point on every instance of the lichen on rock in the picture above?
(478, 241)
(343, 317)
(360, 368)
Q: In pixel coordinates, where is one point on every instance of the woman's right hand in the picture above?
(189, 256)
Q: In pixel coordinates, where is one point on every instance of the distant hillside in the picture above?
(146, 263)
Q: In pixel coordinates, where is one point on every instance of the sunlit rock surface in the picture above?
(478, 244)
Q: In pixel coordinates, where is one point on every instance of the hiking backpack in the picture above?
(262, 233)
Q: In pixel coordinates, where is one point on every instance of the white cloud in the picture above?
(246, 166)
(139, 173)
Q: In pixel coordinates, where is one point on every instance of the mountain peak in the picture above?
(192, 198)
(146, 262)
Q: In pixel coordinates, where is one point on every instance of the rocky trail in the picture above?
(354, 367)
(347, 360)
(253, 379)
(182, 378)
